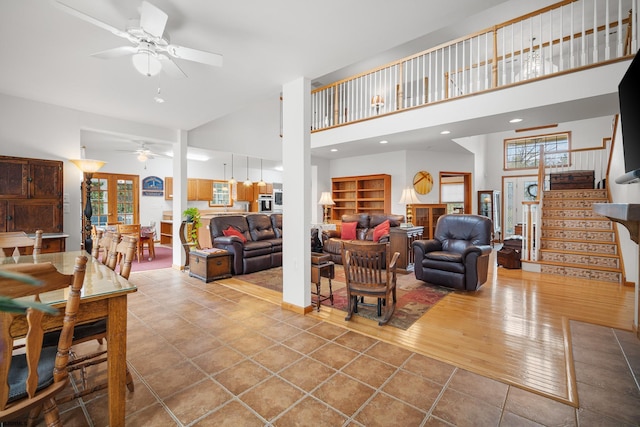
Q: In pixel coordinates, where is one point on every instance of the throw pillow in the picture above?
(348, 230)
(233, 232)
(381, 230)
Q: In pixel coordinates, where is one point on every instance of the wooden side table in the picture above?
(321, 267)
(401, 239)
(210, 266)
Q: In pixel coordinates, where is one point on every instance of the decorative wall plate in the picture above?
(422, 182)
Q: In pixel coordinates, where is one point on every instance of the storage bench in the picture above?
(210, 265)
(571, 180)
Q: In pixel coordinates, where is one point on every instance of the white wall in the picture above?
(402, 166)
(38, 130)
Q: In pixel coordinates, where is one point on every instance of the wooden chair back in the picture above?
(102, 246)
(370, 271)
(25, 389)
(17, 240)
(132, 230)
(121, 255)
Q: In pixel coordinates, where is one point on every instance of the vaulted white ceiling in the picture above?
(45, 52)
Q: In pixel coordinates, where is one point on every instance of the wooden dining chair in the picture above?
(132, 230)
(120, 256)
(34, 375)
(370, 271)
(18, 240)
(102, 245)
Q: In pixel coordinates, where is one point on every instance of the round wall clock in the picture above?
(422, 182)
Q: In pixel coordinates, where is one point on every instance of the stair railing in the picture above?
(596, 159)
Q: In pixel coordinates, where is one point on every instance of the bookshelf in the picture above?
(362, 193)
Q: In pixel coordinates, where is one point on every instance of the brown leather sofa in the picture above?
(458, 254)
(332, 242)
(263, 246)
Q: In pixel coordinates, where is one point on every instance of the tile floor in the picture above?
(205, 355)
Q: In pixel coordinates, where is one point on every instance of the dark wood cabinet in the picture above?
(30, 195)
(427, 217)
(401, 239)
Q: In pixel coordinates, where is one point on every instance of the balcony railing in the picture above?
(567, 36)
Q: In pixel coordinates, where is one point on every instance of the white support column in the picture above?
(179, 195)
(296, 160)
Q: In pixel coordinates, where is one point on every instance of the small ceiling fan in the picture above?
(144, 153)
(151, 51)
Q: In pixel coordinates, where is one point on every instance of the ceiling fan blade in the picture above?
(170, 67)
(92, 20)
(152, 19)
(195, 55)
(116, 52)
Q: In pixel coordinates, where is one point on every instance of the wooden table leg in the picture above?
(117, 359)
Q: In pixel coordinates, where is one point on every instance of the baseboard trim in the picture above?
(296, 308)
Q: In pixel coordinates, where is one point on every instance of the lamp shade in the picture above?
(409, 197)
(377, 101)
(325, 199)
(88, 165)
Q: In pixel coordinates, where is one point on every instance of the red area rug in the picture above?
(415, 297)
(163, 259)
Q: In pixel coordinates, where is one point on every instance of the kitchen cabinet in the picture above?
(426, 215)
(197, 189)
(168, 188)
(30, 195)
(166, 232)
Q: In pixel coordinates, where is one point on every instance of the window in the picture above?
(524, 153)
(221, 194)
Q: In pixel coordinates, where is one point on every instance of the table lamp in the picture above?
(409, 197)
(326, 201)
(88, 167)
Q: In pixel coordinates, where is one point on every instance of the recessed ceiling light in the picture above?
(384, 141)
(445, 132)
(333, 150)
(515, 120)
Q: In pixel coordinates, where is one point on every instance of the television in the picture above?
(629, 97)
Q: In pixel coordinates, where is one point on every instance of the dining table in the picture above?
(104, 295)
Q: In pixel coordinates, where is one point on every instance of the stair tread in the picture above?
(570, 265)
(562, 239)
(591, 253)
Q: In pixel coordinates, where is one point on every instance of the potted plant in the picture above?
(192, 216)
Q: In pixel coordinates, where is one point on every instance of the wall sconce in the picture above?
(409, 197)
(326, 201)
(377, 101)
(88, 167)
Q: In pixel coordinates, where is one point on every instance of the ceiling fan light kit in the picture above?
(145, 61)
(152, 52)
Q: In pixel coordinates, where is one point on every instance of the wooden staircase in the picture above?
(576, 242)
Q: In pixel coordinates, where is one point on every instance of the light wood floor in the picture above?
(515, 329)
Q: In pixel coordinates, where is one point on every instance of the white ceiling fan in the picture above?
(143, 152)
(151, 51)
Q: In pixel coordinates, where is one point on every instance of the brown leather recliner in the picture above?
(458, 255)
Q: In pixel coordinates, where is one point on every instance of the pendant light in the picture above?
(261, 183)
(232, 181)
(248, 183)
